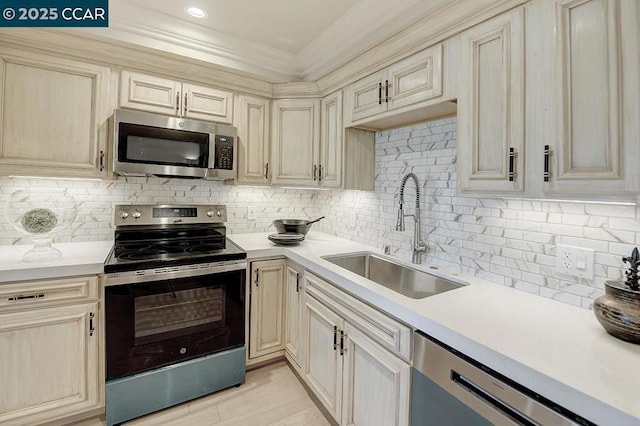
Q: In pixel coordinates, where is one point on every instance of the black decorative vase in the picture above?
(618, 311)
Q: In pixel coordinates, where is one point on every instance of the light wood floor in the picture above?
(271, 395)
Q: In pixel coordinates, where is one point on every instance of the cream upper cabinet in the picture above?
(53, 116)
(331, 140)
(51, 359)
(294, 304)
(266, 334)
(295, 141)
(166, 96)
(415, 79)
(491, 106)
(594, 145)
(367, 96)
(252, 119)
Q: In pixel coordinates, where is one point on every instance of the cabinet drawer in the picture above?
(386, 331)
(50, 292)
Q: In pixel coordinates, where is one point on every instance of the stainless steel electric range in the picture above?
(174, 308)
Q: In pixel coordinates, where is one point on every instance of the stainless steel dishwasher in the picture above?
(451, 389)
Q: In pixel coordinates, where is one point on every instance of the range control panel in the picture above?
(152, 214)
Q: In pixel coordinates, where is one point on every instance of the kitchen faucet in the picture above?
(419, 246)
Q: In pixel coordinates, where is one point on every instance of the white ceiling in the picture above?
(288, 25)
(277, 40)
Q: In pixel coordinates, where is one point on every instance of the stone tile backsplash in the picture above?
(509, 242)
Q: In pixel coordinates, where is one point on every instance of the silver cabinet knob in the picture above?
(209, 213)
(136, 214)
(219, 213)
(123, 214)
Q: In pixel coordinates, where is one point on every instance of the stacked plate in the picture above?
(286, 239)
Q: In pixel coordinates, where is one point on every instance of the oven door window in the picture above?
(153, 145)
(155, 324)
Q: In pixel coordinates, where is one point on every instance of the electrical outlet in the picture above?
(252, 213)
(575, 261)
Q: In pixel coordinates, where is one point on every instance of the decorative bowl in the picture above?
(41, 214)
(618, 311)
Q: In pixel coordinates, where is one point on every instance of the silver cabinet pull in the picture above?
(266, 171)
(386, 91)
(101, 158)
(335, 337)
(379, 93)
(512, 158)
(297, 283)
(91, 327)
(185, 104)
(320, 173)
(25, 297)
(257, 277)
(177, 102)
(547, 154)
(315, 172)
(343, 349)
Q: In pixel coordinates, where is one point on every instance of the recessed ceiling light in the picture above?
(196, 12)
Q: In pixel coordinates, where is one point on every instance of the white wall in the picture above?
(510, 242)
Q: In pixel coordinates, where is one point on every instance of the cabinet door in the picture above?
(150, 93)
(491, 106)
(252, 120)
(296, 135)
(53, 116)
(267, 300)
(331, 132)
(207, 103)
(323, 363)
(415, 79)
(293, 317)
(367, 96)
(595, 148)
(367, 367)
(49, 364)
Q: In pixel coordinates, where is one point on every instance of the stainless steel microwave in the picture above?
(159, 145)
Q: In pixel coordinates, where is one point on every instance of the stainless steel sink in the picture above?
(402, 279)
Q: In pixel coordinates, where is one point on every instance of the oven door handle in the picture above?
(173, 272)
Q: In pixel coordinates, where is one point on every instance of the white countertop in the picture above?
(77, 259)
(557, 350)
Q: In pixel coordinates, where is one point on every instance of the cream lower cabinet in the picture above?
(294, 305)
(266, 323)
(252, 119)
(53, 114)
(357, 379)
(165, 96)
(50, 360)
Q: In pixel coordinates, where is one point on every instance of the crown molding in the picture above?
(358, 30)
(164, 33)
(77, 46)
(447, 22)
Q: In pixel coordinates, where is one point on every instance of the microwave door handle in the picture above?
(212, 151)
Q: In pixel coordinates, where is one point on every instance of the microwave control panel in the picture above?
(224, 152)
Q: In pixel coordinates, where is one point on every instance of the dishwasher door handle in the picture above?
(490, 399)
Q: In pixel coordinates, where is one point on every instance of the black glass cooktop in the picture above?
(148, 247)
